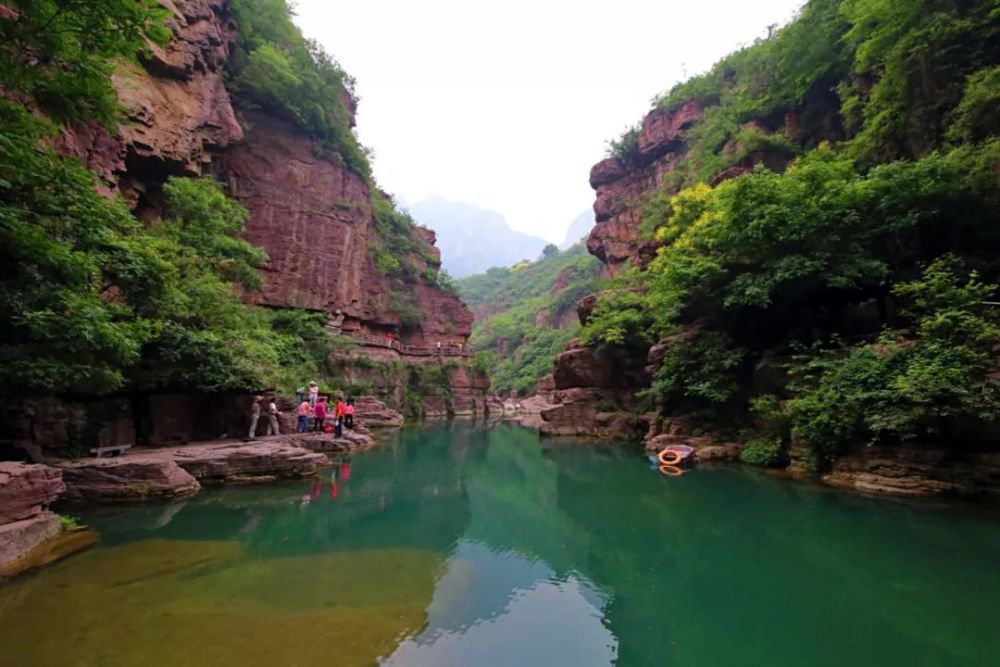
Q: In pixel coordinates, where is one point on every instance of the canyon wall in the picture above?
(311, 213)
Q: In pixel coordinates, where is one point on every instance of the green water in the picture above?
(471, 545)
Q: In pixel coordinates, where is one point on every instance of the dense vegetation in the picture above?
(851, 298)
(276, 68)
(510, 346)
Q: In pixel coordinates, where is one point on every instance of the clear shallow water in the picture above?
(470, 545)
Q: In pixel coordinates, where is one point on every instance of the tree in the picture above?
(61, 53)
(551, 250)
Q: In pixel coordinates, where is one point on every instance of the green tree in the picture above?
(61, 53)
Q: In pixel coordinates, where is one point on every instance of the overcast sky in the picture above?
(506, 105)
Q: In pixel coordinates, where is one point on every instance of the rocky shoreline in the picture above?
(911, 471)
(31, 535)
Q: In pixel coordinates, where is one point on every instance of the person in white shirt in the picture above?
(272, 418)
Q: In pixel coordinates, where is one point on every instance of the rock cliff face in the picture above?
(620, 187)
(310, 213)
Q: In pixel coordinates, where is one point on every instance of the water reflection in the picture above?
(464, 544)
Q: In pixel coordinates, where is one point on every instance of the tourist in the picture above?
(313, 394)
(349, 413)
(272, 418)
(304, 412)
(254, 416)
(300, 393)
(320, 415)
(339, 412)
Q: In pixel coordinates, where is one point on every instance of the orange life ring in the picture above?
(675, 457)
(671, 471)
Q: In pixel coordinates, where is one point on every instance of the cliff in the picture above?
(189, 109)
(797, 223)
(311, 213)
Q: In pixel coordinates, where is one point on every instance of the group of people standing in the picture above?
(313, 406)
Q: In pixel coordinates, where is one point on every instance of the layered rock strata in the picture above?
(31, 535)
(177, 472)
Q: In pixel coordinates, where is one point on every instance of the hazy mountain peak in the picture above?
(473, 239)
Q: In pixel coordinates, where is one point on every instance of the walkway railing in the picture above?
(409, 350)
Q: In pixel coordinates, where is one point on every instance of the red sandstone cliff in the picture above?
(594, 391)
(311, 214)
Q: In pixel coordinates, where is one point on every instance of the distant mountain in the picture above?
(526, 315)
(472, 239)
(578, 229)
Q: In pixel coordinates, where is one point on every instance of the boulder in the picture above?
(588, 412)
(27, 489)
(352, 441)
(915, 471)
(19, 538)
(663, 129)
(275, 458)
(134, 476)
(373, 413)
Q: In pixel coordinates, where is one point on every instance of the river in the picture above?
(465, 544)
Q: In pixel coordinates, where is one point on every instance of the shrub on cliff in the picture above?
(275, 67)
(61, 54)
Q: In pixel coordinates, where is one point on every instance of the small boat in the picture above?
(674, 455)
(684, 450)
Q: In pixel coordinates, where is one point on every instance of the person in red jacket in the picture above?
(320, 413)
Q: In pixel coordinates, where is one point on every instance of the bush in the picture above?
(767, 453)
(68, 522)
(483, 361)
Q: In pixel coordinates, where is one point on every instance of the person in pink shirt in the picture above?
(303, 414)
(349, 413)
(319, 412)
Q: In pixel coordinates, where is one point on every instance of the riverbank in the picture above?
(910, 471)
(31, 535)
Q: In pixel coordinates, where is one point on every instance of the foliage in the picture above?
(908, 384)
(626, 147)
(63, 248)
(91, 301)
(275, 67)
(518, 351)
(409, 313)
(549, 251)
(483, 361)
(977, 116)
(911, 61)
(60, 53)
(765, 262)
(767, 453)
(698, 367)
(200, 216)
(68, 522)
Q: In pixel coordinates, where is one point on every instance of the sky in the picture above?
(507, 105)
